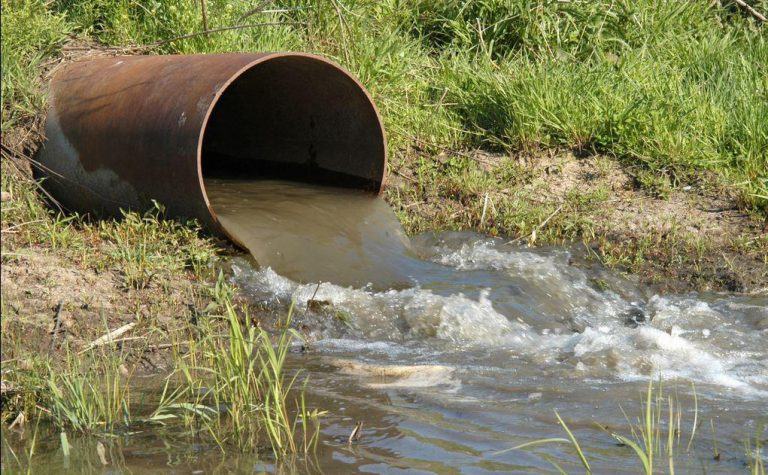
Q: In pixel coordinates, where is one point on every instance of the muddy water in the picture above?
(478, 356)
(489, 338)
(313, 233)
(472, 348)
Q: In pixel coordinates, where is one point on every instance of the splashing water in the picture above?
(310, 233)
(480, 321)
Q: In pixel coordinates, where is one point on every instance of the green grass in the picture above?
(654, 436)
(229, 384)
(673, 88)
(147, 247)
(143, 248)
(31, 34)
(243, 371)
(676, 92)
(90, 396)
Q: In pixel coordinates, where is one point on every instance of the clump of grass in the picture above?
(242, 373)
(90, 396)
(647, 431)
(31, 34)
(754, 455)
(654, 436)
(147, 246)
(232, 386)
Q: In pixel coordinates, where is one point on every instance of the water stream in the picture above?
(470, 348)
(453, 347)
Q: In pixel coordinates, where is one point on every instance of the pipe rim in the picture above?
(223, 88)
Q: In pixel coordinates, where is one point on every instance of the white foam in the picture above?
(683, 336)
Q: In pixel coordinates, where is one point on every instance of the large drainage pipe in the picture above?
(124, 131)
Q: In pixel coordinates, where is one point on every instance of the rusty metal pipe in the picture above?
(124, 131)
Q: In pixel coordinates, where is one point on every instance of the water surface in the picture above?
(452, 347)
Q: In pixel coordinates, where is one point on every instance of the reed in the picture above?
(754, 454)
(654, 435)
(236, 387)
(88, 393)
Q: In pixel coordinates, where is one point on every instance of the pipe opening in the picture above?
(298, 118)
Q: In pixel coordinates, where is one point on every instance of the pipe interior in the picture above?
(295, 118)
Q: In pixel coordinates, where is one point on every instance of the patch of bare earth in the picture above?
(630, 212)
(677, 239)
(51, 303)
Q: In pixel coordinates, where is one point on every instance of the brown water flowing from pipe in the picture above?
(313, 233)
(124, 131)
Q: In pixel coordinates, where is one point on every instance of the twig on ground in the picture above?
(14, 155)
(257, 9)
(756, 14)
(56, 326)
(400, 174)
(450, 150)
(532, 237)
(109, 337)
(485, 208)
(11, 228)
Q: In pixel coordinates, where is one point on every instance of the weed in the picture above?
(143, 246)
(31, 34)
(89, 394)
(669, 89)
(235, 388)
(754, 455)
(651, 435)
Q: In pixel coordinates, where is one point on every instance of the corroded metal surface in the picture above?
(124, 131)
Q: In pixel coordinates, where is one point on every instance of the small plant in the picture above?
(652, 435)
(754, 455)
(89, 393)
(147, 246)
(241, 374)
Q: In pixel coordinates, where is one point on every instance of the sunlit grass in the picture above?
(754, 450)
(242, 373)
(230, 386)
(654, 436)
(668, 88)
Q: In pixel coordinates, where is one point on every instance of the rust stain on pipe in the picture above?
(124, 131)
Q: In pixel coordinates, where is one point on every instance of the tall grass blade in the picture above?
(576, 445)
(638, 450)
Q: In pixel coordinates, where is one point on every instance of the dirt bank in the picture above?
(676, 238)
